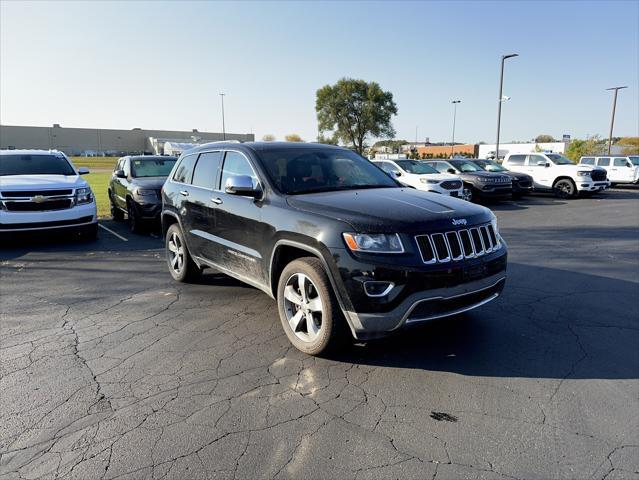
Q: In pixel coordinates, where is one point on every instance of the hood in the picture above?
(490, 175)
(391, 210)
(41, 182)
(437, 176)
(154, 183)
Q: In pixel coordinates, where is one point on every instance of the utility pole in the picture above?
(223, 126)
(612, 120)
(501, 93)
(452, 144)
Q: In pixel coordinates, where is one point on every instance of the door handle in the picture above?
(217, 201)
(184, 193)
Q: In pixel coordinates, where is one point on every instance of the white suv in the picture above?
(42, 190)
(620, 168)
(556, 173)
(422, 176)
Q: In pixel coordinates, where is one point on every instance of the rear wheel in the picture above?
(309, 311)
(565, 188)
(178, 258)
(135, 223)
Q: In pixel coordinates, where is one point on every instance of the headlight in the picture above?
(83, 195)
(145, 192)
(584, 173)
(428, 180)
(374, 242)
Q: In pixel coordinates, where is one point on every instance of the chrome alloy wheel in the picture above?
(467, 194)
(303, 307)
(176, 253)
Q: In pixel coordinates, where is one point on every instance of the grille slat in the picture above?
(33, 193)
(442, 247)
(451, 184)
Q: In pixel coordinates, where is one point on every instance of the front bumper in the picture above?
(495, 191)
(419, 292)
(592, 186)
(78, 216)
(148, 210)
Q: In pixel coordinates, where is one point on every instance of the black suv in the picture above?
(478, 184)
(135, 187)
(522, 182)
(339, 244)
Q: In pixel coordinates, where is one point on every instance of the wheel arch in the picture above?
(563, 177)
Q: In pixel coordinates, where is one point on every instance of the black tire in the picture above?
(332, 331)
(135, 223)
(185, 270)
(564, 188)
(116, 213)
(468, 194)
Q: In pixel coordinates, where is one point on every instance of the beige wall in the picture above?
(73, 141)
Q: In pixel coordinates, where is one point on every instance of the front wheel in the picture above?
(467, 194)
(308, 309)
(565, 188)
(135, 223)
(181, 265)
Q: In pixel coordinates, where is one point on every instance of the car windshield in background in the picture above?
(418, 168)
(490, 166)
(306, 170)
(465, 166)
(634, 160)
(35, 165)
(559, 159)
(151, 167)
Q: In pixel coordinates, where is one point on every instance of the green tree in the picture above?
(293, 137)
(543, 138)
(353, 110)
(593, 145)
(268, 138)
(332, 140)
(630, 145)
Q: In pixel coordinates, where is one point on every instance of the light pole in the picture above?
(452, 145)
(612, 120)
(501, 88)
(223, 126)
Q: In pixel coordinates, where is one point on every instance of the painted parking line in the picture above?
(113, 233)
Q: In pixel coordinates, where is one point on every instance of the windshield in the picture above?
(465, 166)
(489, 166)
(559, 159)
(307, 170)
(152, 167)
(35, 165)
(634, 160)
(413, 166)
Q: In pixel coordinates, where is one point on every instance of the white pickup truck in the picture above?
(42, 190)
(556, 173)
(620, 168)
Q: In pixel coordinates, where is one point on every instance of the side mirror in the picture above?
(398, 174)
(547, 164)
(451, 170)
(120, 174)
(241, 185)
(83, 170)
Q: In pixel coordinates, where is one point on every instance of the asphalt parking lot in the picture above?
(111, 370)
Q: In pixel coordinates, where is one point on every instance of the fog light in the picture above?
(378, 289)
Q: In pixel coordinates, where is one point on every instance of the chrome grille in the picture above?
(37, 200)
(458, 244)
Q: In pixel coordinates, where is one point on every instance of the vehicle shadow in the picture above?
(547, 324)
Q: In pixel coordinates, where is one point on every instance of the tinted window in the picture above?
(34, 165)
(321, 169)
(536, 161)
(414, 166)
(236, 164)
(184, 171)
(441, 167)
(206, 169)
(620, 162)
(389, 167)
(465, 166)
(588, 161)
(152, 166)
(603, 162)
(118, 165)
(517, 159)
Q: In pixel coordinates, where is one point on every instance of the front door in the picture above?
(536, 167)
(619, 171)
(239, 231)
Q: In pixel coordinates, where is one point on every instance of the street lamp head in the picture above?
(616, 88)
(505, 98)
(510, 55)
(456, 101)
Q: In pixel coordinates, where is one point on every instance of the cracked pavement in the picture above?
(108, 369)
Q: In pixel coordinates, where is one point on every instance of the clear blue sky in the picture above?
(162, 64)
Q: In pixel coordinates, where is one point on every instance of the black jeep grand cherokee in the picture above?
(332, 237)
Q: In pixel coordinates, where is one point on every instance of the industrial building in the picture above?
(99, 142)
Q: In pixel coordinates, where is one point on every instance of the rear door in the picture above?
(183, 199)
(516, 163)
(604, 162)
(202, 195)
